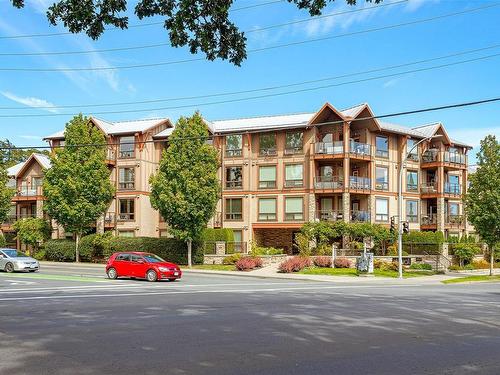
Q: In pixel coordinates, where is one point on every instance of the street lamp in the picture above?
(400, 202)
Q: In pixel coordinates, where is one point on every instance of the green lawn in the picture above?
(469, 279)
(214, 267)
(352, 272)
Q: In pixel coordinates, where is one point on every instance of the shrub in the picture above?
(420, 266)
(260, 250)
(322, 261)
(465, 252)
(60, 250)
(94, 246)
(303, 244)
(480, 264)
(248, 263)
(389, 266)
(342, 263)
(294, 264)
(3, 242)
(39, 255)
(455, 267)
(232, 259)
(377, 263)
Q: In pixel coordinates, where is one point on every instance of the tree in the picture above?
(482, 202)
(186, 188)
(6, 195)
(10, 155)
(201, 24)
(32, 231)
(77, 186)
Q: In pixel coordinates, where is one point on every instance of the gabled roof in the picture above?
(164, 133)
(41, 159)
(353, 111)
(14, 170)
(400, 129)
(119, 127)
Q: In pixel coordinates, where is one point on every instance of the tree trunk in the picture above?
(77, 250)
(189, 243)
(492, 259)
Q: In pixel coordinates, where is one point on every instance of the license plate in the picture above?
(176, 273)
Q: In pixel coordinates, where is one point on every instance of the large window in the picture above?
(293, 143)
(267, 144)
(411, 181)
(127, 147)
(294, 207)
(234, 177)
(382, 178)
(267, 209)
(382, 147)
(234, 145)
(412, 211)
(267, 177)
(381, 209)
(294, 175)
(410, 143)
(127, 209)
(126, 178)
(234, 208)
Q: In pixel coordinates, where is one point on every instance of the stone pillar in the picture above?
(39, 209)
(346, 209)
(220, 248)
(445, 249)
(440, 214)
(371, 207)
(312, 207)
(99, 225)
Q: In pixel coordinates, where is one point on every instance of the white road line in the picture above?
(235, 291)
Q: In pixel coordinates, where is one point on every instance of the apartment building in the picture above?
(279, 172)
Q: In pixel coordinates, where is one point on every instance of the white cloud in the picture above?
(473, 136)
(390, 83)
(31, 102)
(413, 5)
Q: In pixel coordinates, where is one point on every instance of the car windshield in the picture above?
(13, 253)
(151, 258)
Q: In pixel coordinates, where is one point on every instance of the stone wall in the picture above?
(267, 259)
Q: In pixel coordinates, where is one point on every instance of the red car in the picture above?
(141, 265)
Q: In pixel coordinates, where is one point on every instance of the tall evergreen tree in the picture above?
(186, 188)
(6, 195)
(77, 186)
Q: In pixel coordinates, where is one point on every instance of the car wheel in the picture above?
(112, 274)
(9, 267)
(151, 275)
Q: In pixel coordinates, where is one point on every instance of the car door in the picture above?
(3, 260)
(138, 266)
(122, 264)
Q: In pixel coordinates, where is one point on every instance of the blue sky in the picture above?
(310, 61)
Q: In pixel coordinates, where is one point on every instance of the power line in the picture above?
(163, 44)
(394, 114)
(387, 27)
(258, 96)
(268, 88)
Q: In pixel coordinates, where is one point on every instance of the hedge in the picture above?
(60, 250)
(217, 234)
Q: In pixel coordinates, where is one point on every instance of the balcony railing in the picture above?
(330, 148)
(330, 215)
(126, 185)
(129, 154)
(29, 192)
(234, 153)
(455, 220)
(413, 157)
(328, 182)
(359, 183)
(126, 216)
(454, 189)
(433, 155)
(236, 184)
(362, 149)
(428, 188)
(293, 150)
(428, 219)
(294, 183)
(267, 184)
(268, 152)
(12, 218)
(381, 185)
(360, 216)
(454, 157)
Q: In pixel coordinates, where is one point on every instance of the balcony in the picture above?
(236, 184)
(12, 218)
(452, 189)
(328, 182)
(454, 158)
(268, 152)
(329, 215)
(360, 216)
(428, 188)
(330, 148)
(126, 216)
(294, 183)
(360, 149)
(294, 150)
(413, 157)
(126, 185)
(28, 193)
(359, 183)
(455, 220)
(127, 154)
(234, 153)
(430, 156)
(428, 219)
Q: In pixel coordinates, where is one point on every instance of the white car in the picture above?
(12, 260)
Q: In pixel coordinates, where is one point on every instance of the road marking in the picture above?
(235, 291)
(20, 282)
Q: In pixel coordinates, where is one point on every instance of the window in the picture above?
(267, 144)
(238, 244)
(412, 211)
(126, 178)
(123, 257)
(294, 175)
(410, 143)
(453, 209)
(234, 177)
(382, 146)
(267, 177)
(127, 210)
(294, 209)
(411, 181)
(453, 185)
(234, 145)
(234, 208)
(293, 143)
(126, 233)
(382, 178)
(381, 209)
(267, 209)
(127, 147)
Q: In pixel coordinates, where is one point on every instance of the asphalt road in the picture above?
(68, 320)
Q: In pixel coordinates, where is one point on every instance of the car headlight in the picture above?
(163, 269)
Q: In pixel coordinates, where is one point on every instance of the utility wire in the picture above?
(163, 44)
(387, 27)
(394, 114)
(258, 96)
(268, 88)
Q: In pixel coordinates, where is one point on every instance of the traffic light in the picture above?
(406, 227)
(393, 225)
